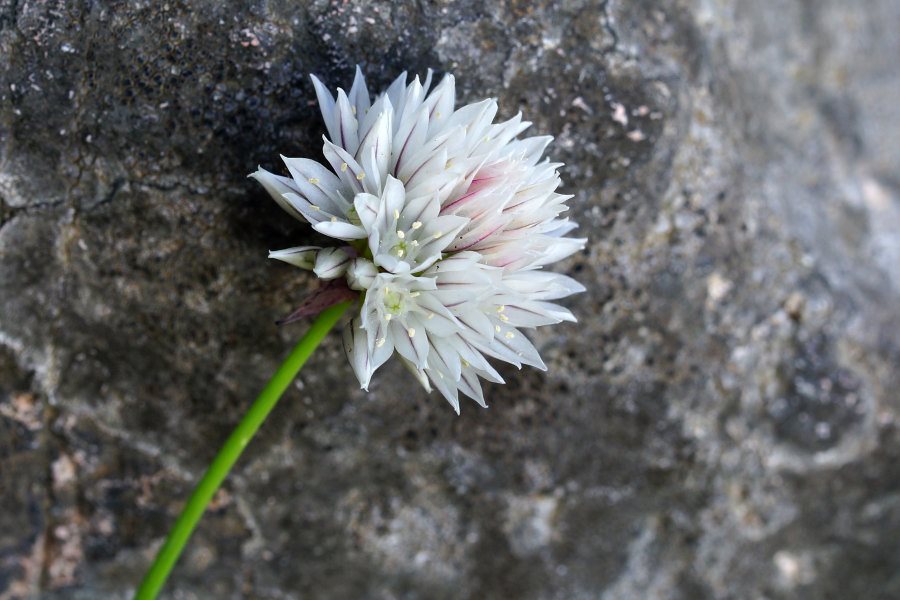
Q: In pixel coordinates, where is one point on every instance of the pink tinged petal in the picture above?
(413, 348)
(333, 292)
(357, 351)
(359, 94)
(326, 105)
(299, 256)
(331, 263)
(317, 185)
(418, 373)
(340, 230)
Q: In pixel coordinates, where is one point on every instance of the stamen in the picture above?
(465, 363)
(438, 235)
(334, 219)
(411, 332)
(388, 316)
(417, 224)
(501, 308)
(504, 318)
(343, 167)
(313, 180)
(430, 315)
(396, 214)
(361, 176)
(314, 207)
(414, 243)
(497, 328)
(400, 234)
(380, 342)
(510, 335)
(415, 294)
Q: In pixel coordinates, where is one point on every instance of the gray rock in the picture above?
(723, 422)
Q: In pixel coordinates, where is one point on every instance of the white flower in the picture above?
(445, 221)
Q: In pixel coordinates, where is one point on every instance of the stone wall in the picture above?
(724, 421)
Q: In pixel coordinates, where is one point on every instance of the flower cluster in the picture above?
(446, 221)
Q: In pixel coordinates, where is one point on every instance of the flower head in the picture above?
(444, 220)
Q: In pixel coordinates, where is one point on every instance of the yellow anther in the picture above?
(438, 235)
(388, 316)
(417, 224)
(380, 342)
(501, 308)
(334, 219)
(510, 335)
(314, 180)
(504, 318)
(497, 328)
(411, 332)
(314, 207)
(396, 214)
(361, 176)
(343, 167)
(400, 234)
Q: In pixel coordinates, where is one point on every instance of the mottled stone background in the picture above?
(724, 421)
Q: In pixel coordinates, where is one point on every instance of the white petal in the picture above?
(317, 185)
(277, 188)
(299, 256)
(340, 230)
(359, 94)
(326, 105)
(357, 352)
(347, 125)
(331, 263)
(413, 348)
(360, 274)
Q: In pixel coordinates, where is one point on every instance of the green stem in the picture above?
(231, 451)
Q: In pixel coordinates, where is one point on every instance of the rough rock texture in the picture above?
(724, 422)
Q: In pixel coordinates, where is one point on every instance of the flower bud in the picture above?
(361, 274)
(331, 263)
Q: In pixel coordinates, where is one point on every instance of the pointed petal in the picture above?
(299, 256)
